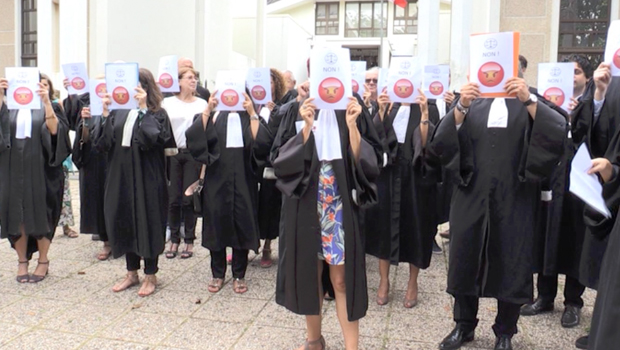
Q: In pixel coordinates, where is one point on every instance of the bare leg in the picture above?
(265, 260)
(384, 284)
(44, 246)
(350, 330)
(21, 246)
(313, 322)
(411, 298)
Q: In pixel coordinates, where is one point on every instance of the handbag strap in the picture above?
(203, 170)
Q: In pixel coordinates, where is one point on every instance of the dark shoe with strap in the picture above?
(539, 306)
(571, 316)
(23, 278)
(456, 338)
(38, 278)
(503, 342)
(436, 248)
(582, 342)
(321, 341)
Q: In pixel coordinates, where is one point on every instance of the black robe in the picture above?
(497, 173)
(402, 226)
(136, 188)
(92, 166)
(297, 167)
(31, 177)
(446, 185)
(230, 191)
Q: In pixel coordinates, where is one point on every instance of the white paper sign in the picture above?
(77, 75)
(436, 80)
(358, 76)
(382, 80)
(230, 85)
(168, 74)
(97, 90)
(330, 77)
(586, 186)
(493, 60)
(234, 133)
(121, 80)
(259, 84)
(23, 86)
(612, 47)
(555, 82)
(404, 79)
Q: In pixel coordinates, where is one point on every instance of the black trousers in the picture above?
(133, 264)
(548, 289)
(239, 263)
(466, 312)
(184, 171)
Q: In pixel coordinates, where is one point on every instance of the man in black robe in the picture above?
(497, 150)
(290, 83)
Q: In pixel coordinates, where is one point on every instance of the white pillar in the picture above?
(45, 37)
(459, 42)
(261, 22)
(217, 41)
(428, 31)
(73, 31)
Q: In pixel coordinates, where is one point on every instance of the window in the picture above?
(363, 19)
(583, 29)
(326, 20)
(406, 19)
(29, 33)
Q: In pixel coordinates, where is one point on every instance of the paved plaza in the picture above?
(74, 308)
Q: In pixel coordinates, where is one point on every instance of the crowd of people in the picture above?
(496, 168)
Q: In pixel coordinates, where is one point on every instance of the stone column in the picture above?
(459, 42)
(428, 31)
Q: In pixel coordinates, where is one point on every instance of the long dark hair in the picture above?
(153, 95)
(49, 83)
(279, 88)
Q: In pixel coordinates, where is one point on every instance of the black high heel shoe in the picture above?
(37, 278)
(23, 278)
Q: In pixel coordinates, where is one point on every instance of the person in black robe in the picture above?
(136, 193)
(497, 150)
(289, 84)
(402, 226)
(345, 186)
(230, 192)
(269, 197)
(561, 232)
(31, 179)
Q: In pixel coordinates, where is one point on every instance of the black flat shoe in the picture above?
(95, 237)
(582, 342)
(456, 339)
(503, 342)
(571, 316)
(539, 306)
(436, 248)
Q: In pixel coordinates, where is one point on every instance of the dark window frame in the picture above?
(28, 44)
(375, 31)
(327, 23)
(402, 21)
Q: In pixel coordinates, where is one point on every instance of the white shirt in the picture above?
(181, 116)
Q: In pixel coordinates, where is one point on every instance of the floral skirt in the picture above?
(329, 206)
(66, 214)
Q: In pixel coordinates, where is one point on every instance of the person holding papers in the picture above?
(233, 145)
(184, 170)
(33, 145)
(370, 92)
(497, 150)
(401, 228)
(136, 194)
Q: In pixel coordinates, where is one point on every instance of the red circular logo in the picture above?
(555, 95)
(101, 90)
(491, 74)
(230, 97)
(617, 59)
(403, 88)
(78, 83)
(436, 88)
(120, 95)
(23, 95)
(331, 90)
(259, 93)
(165, 80)
(356, 86)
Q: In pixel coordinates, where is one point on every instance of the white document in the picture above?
(587, 186)
(492, 61)
(330, 77)
(258, 82)
(436, 80)
(230, 86)
(299, 125)
(77, 75)
(327, 135)
(121, 80)
(498, 114)
(23, 86)
(612, 47)
(234, 134)
(168, 74)
(265, 113)
(382, 79)
(401, 121)
(555, 82)
(97, 90)
(404, 79)
(358, 76)
(23, 129)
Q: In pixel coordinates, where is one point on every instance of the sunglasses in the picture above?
(371, 81)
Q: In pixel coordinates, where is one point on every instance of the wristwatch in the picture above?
(533, 99)
(254, 117)
(462, 108)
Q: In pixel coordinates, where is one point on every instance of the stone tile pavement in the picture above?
(74, 308)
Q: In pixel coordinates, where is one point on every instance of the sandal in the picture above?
(410, 303)
(266, 261)
(320, 341)
(144, 292)
(215, 285)
(23, 278)
(105, 253)
(69, 232)
(186, 254)
(130, 280)
(172, 253)
(38, 278)
(239, 286)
